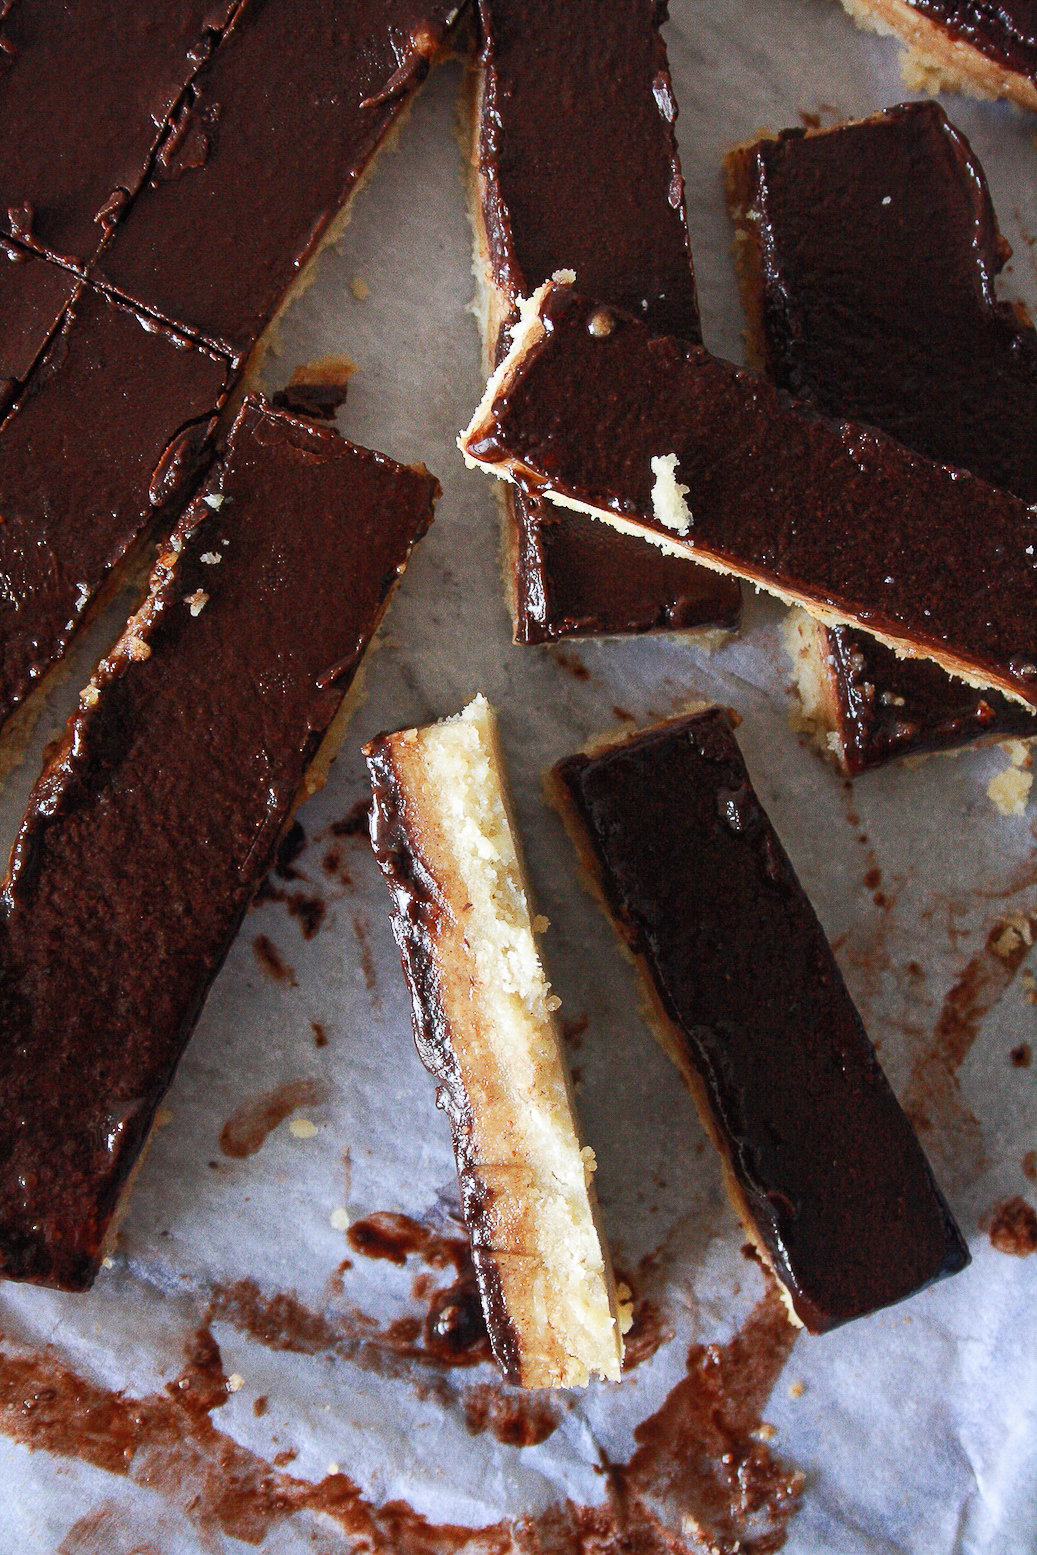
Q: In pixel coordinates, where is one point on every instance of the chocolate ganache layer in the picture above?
(108, 434)
(276, 130)
(868, 255)
(658, 436)
(157, 817)
(821, 1161)
(86, 89)
(576, 167)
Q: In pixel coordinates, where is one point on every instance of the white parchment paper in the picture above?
(914, 1428)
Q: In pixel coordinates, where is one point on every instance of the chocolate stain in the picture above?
(247, 1128)
(320, 1036)
(699, 1474)
(573, 1030)
(292, 844)
(103, 1531)
(395, 1237)
(1013, 1228)
(933, 1099)
(269, 958)
(366, 958)
(1030, 1165)
(1022, 1056)
(306, 907)
(356, 821)
(516, 1419)
(568, 661)
(649, 1332)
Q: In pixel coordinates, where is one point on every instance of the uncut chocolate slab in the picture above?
(987, 47)
(834, 516)
(86, 88)
(108, 434)
(277, 128)
(868, 255)
(575, 167)
(821, 1161)
(156, 819)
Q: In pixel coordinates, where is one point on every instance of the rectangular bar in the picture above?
(747, 998)
(154, 821)
(279, 126)
(107, 435)
(574, 164)
(662, 439)
(867, 256)
(87, 91)
(485, 1029)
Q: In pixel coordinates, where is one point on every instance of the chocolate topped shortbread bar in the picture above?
(157, 817)
(485, 1029)
(988, 47)
(708, 460)
(575, 166)
(106, 437)
(86, 90)
(271, 140)
(33, 297)
(867, 255)
(747, 998)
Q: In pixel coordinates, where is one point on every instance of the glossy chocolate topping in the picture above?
(85, 90)
(419, 910)
(578, 169)
(892, 707)
(110, 430)
(873, 251)
(275, 132)
(831, 1174)
(156, 819)
(1004, 30)
(577, 578)
(833, 514)
(33, 297)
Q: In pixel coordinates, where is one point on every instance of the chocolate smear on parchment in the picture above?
(248, 1127)
(700, 1480)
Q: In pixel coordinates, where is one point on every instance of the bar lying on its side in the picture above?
(485, 1029)
(746, 997)
(156, 818)
(662, 439)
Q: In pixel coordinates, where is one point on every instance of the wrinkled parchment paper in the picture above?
(914, 1428)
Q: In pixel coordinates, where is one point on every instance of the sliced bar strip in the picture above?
(961, 45)
(107, 437)
(157, 817)
(867, 256)
(574, 163)
(662, 439)
(746, 997)
(278, 128)
(484, 1027)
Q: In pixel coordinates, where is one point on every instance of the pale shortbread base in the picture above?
(935, 61)
(538, 1221)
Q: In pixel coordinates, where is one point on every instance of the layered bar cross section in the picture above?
(485, 1029)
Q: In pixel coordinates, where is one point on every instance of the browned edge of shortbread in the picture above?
(498, 1185)
(668, 1035)
(817, 711)
(934, 61)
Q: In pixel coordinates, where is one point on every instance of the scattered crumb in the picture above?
(211, 558)
(89, 696)
(1029, 984)
(1010, 789)
(361, 290)
(1017, 930)
(766, 1432)
(668, 495)
(235, 1382)
(553, 1002)
(600, 323)
(302, 1128)
(797, 1389)
(339, 1218)
(1022, 1056)
(1013, 1228)
(215, 502)
(333, 1468)
(197, 601)
(136, 648)
(540, 924)
(107, 1263)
